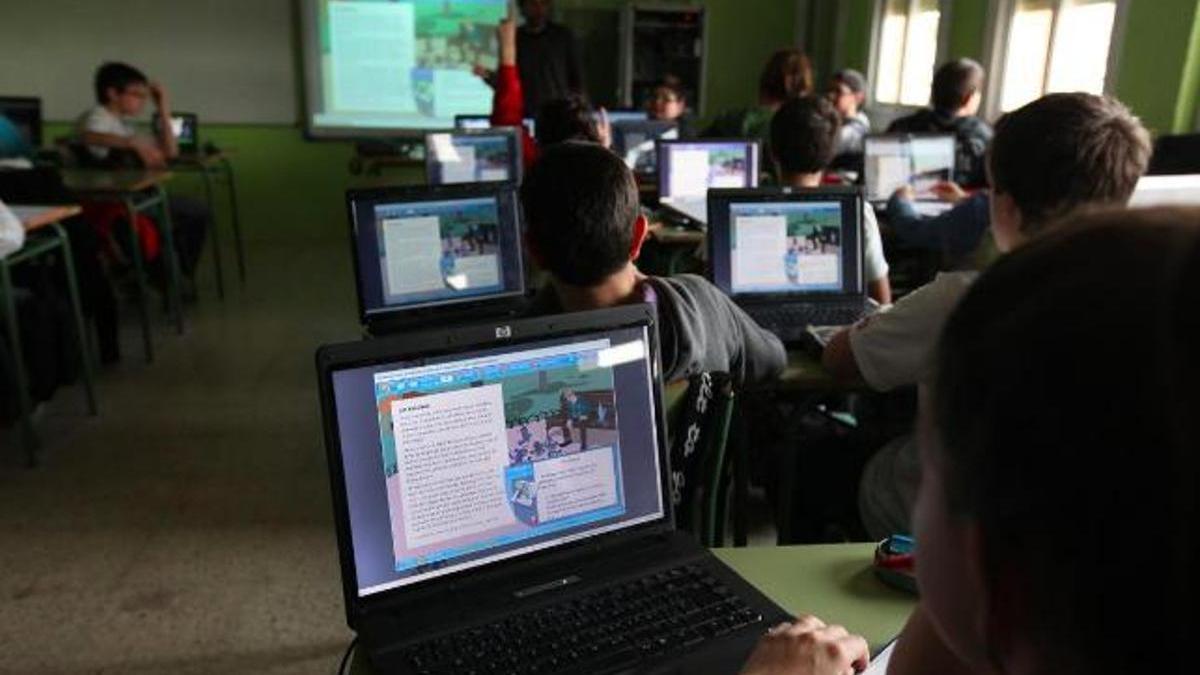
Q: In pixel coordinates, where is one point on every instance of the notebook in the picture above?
(688, 169)
(466, 156)
(636, 142)
(480, 122)
(891, 161)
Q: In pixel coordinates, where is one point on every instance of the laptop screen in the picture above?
(625, 115)
(635, 142)
(483, 122)
(25, 115)
(183, 126)
(786, 242)
(424, 247)
(687, 169)
(472, 157)
(461, 460)
(1178, 190)
(895, 160)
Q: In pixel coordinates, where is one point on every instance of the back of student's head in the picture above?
(580, 203)
(1067, 428)
(1065, 151)
(954, 82)
(787, 74)
(804, 134)
(117, 76)
(570, 118)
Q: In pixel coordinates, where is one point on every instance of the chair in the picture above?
(700, 466)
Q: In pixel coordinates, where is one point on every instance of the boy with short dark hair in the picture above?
(804, 138)
(954, 97)
(1057, 155)
(848, 91)
(585, 228)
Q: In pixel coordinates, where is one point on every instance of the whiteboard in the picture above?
(225, 60)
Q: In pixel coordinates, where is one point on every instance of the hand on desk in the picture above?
(148, 151)
(808, 647)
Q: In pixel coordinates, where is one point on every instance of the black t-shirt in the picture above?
(548, 64)
(972, 136)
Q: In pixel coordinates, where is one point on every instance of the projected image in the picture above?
(469, 159)
(793, 246)
(403, 65)
(437, 250)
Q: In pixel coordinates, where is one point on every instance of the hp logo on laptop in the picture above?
(503, 332)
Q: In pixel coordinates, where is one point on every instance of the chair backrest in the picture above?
(700, 422)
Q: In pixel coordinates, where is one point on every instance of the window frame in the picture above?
(1000, 18)
(945, 19)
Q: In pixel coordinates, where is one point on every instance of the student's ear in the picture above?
(1006, 221)
(532, 250)
(641, 227)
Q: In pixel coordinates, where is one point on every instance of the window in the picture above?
(907, 51)
(1055, 45)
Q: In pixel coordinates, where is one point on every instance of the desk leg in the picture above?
(140, 270)
(237, 220)
(85, 354)
(20, 382)
(216, 243)
(174, 304)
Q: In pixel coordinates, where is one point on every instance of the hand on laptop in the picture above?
(948, 191)
(808, 647)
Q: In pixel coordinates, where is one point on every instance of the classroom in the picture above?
(760, 337)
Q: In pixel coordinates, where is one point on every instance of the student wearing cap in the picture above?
(848, 91)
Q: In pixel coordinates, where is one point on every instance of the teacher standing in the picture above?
(548, 62)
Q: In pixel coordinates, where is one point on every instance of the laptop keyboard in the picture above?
(610, 628)
(802, 315)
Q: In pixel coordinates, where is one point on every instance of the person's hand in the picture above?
(158, 94)
(604, 128)
(506, 35)
(148, 151)
(905, 192)
(948, 191)
(808, 647)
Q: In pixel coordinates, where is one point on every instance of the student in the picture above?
(956, 233)
(1058, 154)
(804, 136)
(585, 228)
(1056, 518)
(550, 60)
(786, 75)
(121, 93)
(668, 102)
(955, 96)
(848, 92)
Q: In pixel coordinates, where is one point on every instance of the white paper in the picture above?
(879, 664)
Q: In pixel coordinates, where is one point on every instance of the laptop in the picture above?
(1166, 190)
(502, 504)
(891, 161)
(434, 255)
(186, 129)
(688, 169)
(790, 257)
(480, 122)
(616, 115)
(25, 113)
(635, 141)
(473, 156)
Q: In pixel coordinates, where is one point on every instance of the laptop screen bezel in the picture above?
(720, 202)
(331, 359)
(510, 134)
(426, 193)
(930, 135)
(664, 146)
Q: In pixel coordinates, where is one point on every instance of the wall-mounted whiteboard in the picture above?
(226, 60)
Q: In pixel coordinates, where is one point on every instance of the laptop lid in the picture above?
(482, 448)
(479, 122)
(635, 142)
(787, 243)
(422, 247)
(473, 156)
(1166, 190)
(25, 113)
(688, 169)
(185, 127)
(891, 161)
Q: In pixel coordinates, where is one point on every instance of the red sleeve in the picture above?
(508, 110)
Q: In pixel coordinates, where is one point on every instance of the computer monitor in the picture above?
(480, 122)
(616, 115)
(635, 142)
(687, 169)
(25, 113)
(1170, 190)
(1175, 154)
(424, 248)
(185, 127)
(465, 156)
(774, 241)
(892, 161)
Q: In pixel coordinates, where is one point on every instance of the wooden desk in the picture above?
(46, 235)
(210, 165)
(139, 191)
(833, 582)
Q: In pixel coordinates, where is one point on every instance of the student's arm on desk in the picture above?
(808, 647)
(920, 650)
(147, 150)
(838, 359)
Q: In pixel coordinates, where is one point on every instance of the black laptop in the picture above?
(688, 169)
(792, 258)
(473, 156)
(636, 142)
(483, 122)
(24, 113)
(186, 129)
(502, 501)
(435, 255)
(892, 161)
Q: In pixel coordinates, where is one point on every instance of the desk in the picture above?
(209, 165)
(139, 191)
(834, 582)
(43, 223)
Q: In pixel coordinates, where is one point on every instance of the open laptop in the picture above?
(688, 169)
(435, 255)
(25, 113)
(186, 129)
(616, 115)
(502, 503)
(480, 122)
(470, 156)
(635, 142)
(792, 258)
(1166, 190)
(891, 161)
